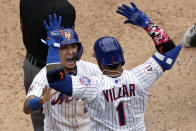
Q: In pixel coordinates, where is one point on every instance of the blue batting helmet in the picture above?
(108, 51)
(69, 36)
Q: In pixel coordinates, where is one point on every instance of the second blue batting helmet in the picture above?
(69, 36)
(108, 51)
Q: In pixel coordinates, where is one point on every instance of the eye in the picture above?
(74, 46)
(64, 47)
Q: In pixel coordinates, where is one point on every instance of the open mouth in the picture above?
(70, 60)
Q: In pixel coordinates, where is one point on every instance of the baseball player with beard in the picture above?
(62, 113)
(116, 100)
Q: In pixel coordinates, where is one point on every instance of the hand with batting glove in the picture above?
(134, 15)
(53, 39)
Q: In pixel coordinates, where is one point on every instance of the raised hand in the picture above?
(46, 95)
(53, 39)
(134, 15)
(53, 29)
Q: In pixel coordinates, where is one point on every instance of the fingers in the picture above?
(47, 94)
(46, 25)
(59, 21)
(47, 88)
(50, 21)
(44, 91)
(125, 10)
(55, 19)
(53, 22)
(121, 8)
(54, 93)
(48, 91)
(126, 6)
(121, 12)
(134, 6)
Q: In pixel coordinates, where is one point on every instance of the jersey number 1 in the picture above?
(121, 114)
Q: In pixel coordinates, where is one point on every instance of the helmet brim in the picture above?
(68, 42)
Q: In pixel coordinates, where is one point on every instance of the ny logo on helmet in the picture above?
(67, 35)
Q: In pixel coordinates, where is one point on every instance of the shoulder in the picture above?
(42, 71)
(82, 62)
(38, 83)
(41, 75)
(148, 69)
(87, 68)
(85, 64)
(128, 74)
(91, 81)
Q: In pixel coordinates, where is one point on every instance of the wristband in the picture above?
(34, 104)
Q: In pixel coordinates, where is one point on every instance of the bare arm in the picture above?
(53, 67)
(46, 96)
(26, 108)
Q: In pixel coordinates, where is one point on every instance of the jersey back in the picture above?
(118, 103)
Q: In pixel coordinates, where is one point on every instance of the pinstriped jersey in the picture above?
(63, 113)
(117, 104)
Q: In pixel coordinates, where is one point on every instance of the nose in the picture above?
(70, 51)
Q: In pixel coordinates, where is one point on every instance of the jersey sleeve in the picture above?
(147, 73)
(84, 88)
(38, 84)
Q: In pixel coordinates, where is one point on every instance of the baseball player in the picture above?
(32, 12)
(116, 100)
(62, 113)
(189, 38)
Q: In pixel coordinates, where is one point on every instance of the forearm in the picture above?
(26, 107)
(161, 40)
(59, 81)
(52, 67)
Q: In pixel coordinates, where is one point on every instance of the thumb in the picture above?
(43, 41)
(126, 21)
(54, 93)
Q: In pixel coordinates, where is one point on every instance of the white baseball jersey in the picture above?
(63, 113)
(117, 104)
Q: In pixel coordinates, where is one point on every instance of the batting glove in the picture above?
(134, 15)
(53, 39)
